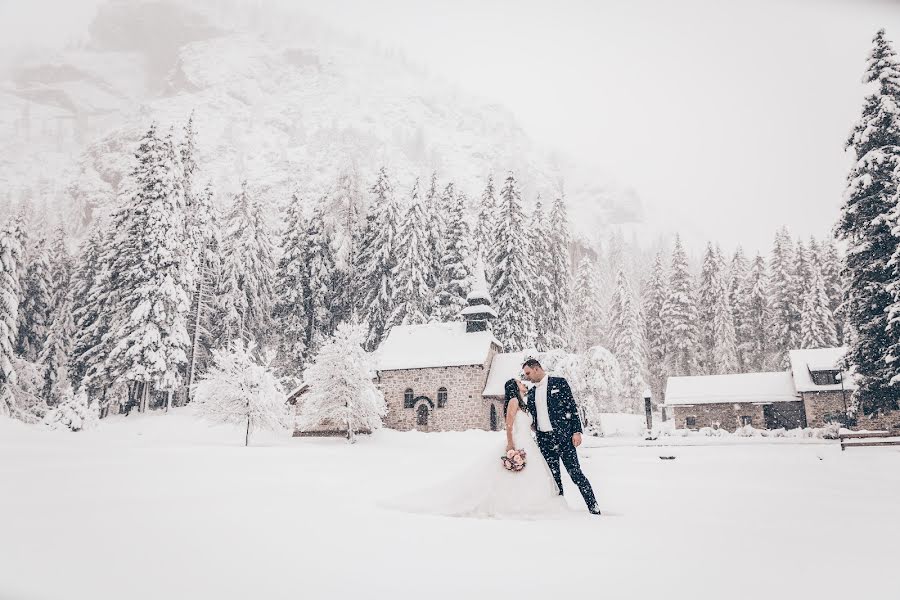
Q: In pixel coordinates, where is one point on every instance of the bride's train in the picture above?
(488, 490)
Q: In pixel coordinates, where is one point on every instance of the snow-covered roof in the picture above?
(758, 388)
(478, 309)
(818, 359)
(504, 367)
(433, 345)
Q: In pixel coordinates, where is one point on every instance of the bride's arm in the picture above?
(511, 411)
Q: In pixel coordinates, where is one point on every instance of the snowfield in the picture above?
(162, 507)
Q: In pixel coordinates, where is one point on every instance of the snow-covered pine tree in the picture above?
(680, 316)
(558, 328)
(291, 288)
(37, 291)
(239, 390)
(511, 273)
(707, 297)
(412, 296)
(817, 322)
(154, 274)
(725, 352)
(95, 297)
(246, 286)
(654, 328)
(756, 336)
(587, 312)
(457, 263)
(187, 151)
(434, 206)
(206, 239)
(784, 302)
(625, 329)
(10, 292)
(831, 262)
(346, 214)
(865, 224)
(803, 271)
(56, 354)
(485, 230)
(342, 392)
(377, 259)
(321, 278)
(737, 274)
(540, 260)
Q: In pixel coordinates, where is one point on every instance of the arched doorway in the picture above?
(493, 418)
(422, 415)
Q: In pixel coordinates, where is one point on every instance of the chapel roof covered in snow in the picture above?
(756, 388)
(433, 345)
(504, 367)
(818, 359)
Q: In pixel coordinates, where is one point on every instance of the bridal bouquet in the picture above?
(514, 460)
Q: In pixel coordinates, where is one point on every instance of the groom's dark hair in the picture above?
(531, 363)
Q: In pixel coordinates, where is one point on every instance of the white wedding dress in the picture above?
(488, 490)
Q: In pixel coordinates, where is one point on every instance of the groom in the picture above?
(558, 427)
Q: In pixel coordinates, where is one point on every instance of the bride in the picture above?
(488, 490)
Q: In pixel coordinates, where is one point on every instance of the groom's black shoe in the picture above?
(595, 510)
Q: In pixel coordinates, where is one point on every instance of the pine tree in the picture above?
(205, 237)
(74, 412)
(540, 260)
(378, 258)
(186, 151)
(740, 309)
(342, 392)
(628, 342)
(154, 264)
(831, 262)
(725, 351)
(784, 303)
(291, 289)
(557, 334)
(55, 356)
(34, 311)
(412, 296)
(756, 336)
(488, 217)
(865, 224)
(246, 288)
(239, 390)
(511, 283)
(456, 264)
(587, 312)
(434, 206)
(680, 316)
(817, 322)
(320, 286)
(10, 292)
(708, 296)
(95, 296)
(654, 328)
(346, 208)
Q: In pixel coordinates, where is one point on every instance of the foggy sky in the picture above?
(727, 117)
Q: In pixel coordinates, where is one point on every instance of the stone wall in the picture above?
(465, 409)
(820, 407)
(889, 421)
(723, 416)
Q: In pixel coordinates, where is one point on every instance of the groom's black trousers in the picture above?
(557, 446)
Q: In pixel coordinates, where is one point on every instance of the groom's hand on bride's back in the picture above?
(576, 439)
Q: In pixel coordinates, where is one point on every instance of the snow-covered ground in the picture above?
(161, 506)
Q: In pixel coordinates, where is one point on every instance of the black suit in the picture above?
(557, 445)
